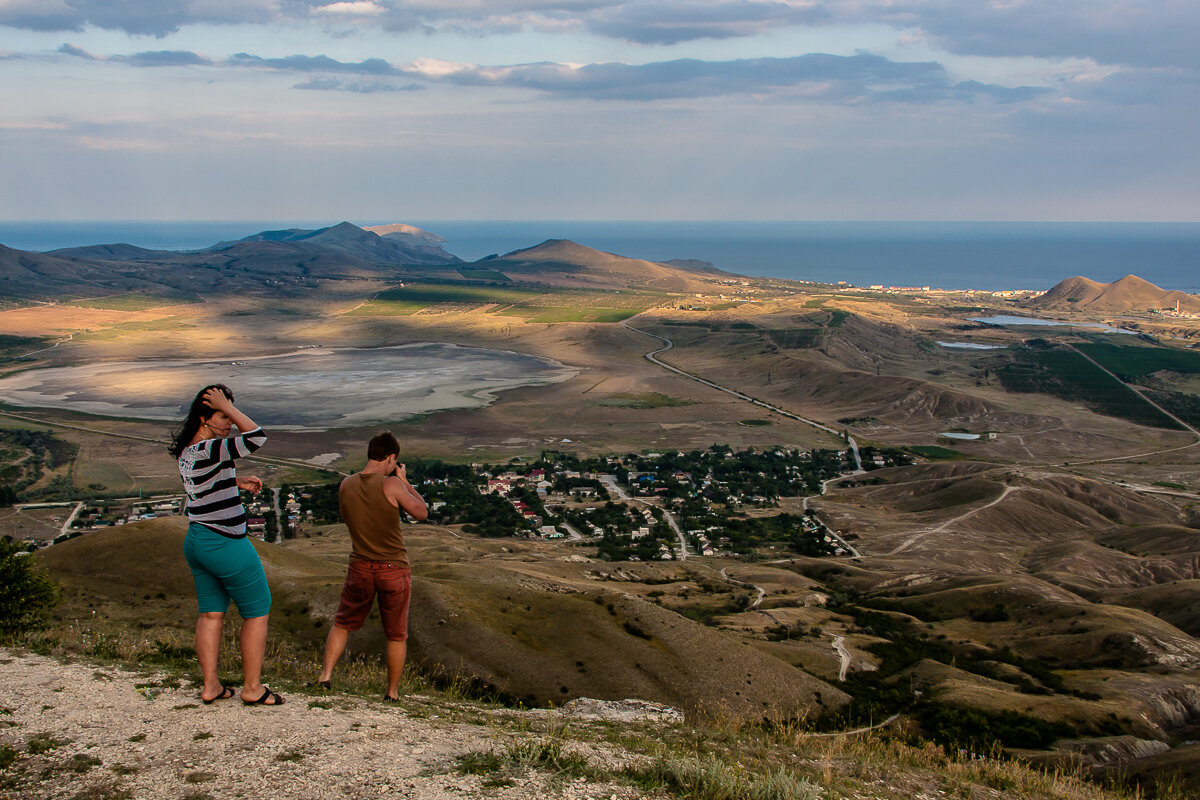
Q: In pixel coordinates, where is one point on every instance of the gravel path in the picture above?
(117, 734)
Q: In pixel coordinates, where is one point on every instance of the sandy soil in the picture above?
(122, 736)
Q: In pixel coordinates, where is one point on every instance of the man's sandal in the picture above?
(275, 697)
(226, 694)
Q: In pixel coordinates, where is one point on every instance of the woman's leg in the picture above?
(254, 648)
(208, 651)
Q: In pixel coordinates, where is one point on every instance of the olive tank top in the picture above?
(374, 523)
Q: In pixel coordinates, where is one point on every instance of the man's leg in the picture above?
(208, 649)
(335, 645)
(396, 653)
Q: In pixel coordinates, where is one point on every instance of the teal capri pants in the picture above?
(226, 569)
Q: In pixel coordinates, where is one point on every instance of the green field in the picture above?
(644, 400)
(130, 302)
(131, 328)
(934, 452)
(12, 346)
(430, 293)
(1132, 362)
(797, 338)
(569, 314)
(387, 308)
(1068, 375)
(476, 274)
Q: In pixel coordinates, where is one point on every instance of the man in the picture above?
(370, 503)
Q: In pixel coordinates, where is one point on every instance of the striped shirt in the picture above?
(210, 480)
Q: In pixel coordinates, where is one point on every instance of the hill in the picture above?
(560, 262)
(383, 244)
(91, 728)
(1130, 293)
(486, 621)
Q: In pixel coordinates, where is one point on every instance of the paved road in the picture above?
(611, 482)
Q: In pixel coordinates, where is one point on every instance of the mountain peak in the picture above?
(1130, 293)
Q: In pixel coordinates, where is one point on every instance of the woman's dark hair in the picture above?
(198, 412)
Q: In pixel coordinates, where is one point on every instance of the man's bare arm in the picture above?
(402, 493)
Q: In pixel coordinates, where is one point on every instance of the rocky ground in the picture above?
(79, 730)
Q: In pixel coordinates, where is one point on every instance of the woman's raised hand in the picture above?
(215, 399)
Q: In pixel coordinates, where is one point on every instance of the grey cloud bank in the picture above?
(657, 109)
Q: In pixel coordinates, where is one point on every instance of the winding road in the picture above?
(668, 344)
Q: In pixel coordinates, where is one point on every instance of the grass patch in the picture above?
(568, 314)
(643, 400)
(797, 338)
(711, 778)
(199, 777)
(477, 274)
(837, 317)
(430, 293)
(1169, 485)
(387, 308)
(130, 302)
(132, 328)
(43, 743)
(755, 422)
(934, 452)
(8, 756)
(1133, 361)
(1069, 376)
(82, 763)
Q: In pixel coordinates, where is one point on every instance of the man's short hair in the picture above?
(382, 446)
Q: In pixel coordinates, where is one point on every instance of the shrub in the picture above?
(26, 594)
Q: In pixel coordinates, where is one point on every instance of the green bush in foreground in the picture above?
(26, 594)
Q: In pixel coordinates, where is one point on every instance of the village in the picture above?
(637, 507)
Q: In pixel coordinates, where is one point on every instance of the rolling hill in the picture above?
(560, 262)
(479, 615)
(1130, 293)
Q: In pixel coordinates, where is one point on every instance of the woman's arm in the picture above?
(216, 400)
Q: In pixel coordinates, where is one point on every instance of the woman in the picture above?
(224, 564)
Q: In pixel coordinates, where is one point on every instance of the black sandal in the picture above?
(275, 697)
(226, 694)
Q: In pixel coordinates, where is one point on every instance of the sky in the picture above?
(1046, 110)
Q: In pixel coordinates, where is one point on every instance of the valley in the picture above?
(1033, 588)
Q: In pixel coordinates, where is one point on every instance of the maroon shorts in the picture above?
(364, 580)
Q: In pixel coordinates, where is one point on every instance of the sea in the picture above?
(946, 255)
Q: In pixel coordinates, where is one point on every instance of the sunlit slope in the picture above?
(473, 617)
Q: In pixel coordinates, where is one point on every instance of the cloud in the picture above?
(1152, 33)
(300, 63)
(356, 9)
(141, 17)
(665, 22)
(156, 58)
(1133, 32)
(78, 52)
(812, 77)
(361, 87)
